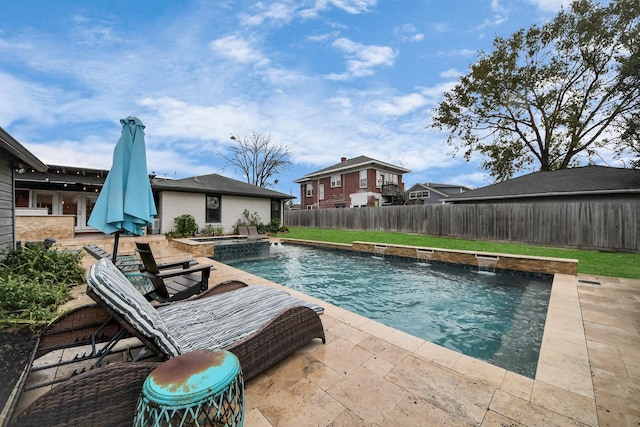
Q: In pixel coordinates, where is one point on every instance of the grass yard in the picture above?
(615, 264)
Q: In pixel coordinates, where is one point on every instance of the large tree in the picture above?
(552, 95)
(259, 158)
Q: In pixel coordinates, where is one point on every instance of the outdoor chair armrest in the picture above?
(183, 264)
(206, 269)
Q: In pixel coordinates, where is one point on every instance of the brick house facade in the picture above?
(357, 182)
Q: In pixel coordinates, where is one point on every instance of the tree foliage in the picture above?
(552, 95)
(259, 158)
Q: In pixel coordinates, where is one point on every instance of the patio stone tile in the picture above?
(534, 415)
(348, 332)
(348, 419)
(293, 369)
(611, 335)
(617, 396)
(254, 418)
(517, 385)
(404, 340)
(414, 411)
(376, 329)
(448, 390)
(378, 366)
(301, 404)
(480, 370)
(568, 355)
(560, 377)
(438, 354)
(606, 357)
(368, 395)
(493, 419)
(571, 405)
(341, 355)
(384, 349)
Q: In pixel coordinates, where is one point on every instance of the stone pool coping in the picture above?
(501, 261)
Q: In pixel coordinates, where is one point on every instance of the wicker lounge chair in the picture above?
(106, 396)
(261, 325)
(172, 284)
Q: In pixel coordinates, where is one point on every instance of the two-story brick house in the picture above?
(358, 182)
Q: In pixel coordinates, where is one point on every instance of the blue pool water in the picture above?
(496, 317)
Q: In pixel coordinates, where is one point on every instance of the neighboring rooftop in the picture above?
(353, 164)
(217, 184)
(581, 181)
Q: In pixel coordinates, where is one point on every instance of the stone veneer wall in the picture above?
(198, 249)
(35, 228)
(531, 264)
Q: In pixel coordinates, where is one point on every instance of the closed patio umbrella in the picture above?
(125, 203)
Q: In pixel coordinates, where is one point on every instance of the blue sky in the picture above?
(326, 78)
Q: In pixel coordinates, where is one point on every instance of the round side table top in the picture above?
(191, 377)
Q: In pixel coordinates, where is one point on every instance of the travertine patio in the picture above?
(368, 374)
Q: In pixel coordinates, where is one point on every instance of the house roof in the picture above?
(587, 180)
(215, 183)
(352, 164)
(437, 188)
(17, 150)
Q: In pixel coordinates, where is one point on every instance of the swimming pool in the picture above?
(496, 317)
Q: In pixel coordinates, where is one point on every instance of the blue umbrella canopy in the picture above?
(125, 202)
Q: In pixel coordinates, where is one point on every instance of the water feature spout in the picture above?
(487, 263)
(379, 250)
(424, 254)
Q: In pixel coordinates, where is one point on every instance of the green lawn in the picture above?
(589, 262)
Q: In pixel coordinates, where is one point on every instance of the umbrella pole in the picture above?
(115, 246)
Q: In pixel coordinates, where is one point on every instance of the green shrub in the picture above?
(34, 282)
(212, 230)
(185, 225)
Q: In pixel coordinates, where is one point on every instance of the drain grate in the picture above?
(589, 282)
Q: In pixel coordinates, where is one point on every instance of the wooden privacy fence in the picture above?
(590, 225)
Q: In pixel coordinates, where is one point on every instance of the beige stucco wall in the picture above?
(174, 204)
(34, 228)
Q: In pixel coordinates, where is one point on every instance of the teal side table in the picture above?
(200, 388)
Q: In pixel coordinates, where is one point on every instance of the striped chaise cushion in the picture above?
(113, 289)
(221, 320)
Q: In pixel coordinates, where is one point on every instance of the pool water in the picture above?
(496, 317)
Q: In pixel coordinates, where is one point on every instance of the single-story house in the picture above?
(69, 193)
(215, 200)
(593, 183)
(431, 192)
(14, 160)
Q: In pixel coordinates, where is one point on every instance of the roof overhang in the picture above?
(18, 151)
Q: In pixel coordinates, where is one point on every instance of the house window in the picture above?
(424, 194)
(213, 208)
(275, 209)
(309, 190)
(379, 179)
(321, 191)
(335, 181)
(22, 198)
(363, 179)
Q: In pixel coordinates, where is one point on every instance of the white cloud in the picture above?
(458, 52)
(353, 7)
(451, 73)
(550, 5)
(276, 12)
(362, 59)
(398, 105)
(238, 50)
(408, 32)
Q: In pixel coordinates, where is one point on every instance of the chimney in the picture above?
(343, 159)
